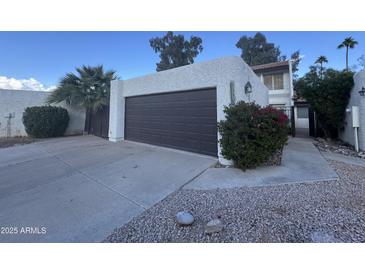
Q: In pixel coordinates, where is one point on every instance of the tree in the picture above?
(328, 96)
(349, 42)
(296, 58)
(174, 51)
(89, 89)
(257, 50)
(321, 60)
(361, 61)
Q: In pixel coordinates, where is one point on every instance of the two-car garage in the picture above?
(179, 108)
(185, 120)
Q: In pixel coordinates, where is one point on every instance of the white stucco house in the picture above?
(179, 108)
(278, 77)
(357, 100)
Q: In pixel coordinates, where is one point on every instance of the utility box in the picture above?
(355, 116)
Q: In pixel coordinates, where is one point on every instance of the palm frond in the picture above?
(90, 88)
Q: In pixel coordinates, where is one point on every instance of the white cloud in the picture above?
(23, 84)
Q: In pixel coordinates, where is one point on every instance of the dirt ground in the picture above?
(15, 141)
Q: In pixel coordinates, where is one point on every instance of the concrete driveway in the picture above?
(78, 189)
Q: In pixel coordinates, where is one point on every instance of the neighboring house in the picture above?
(357, 99)
(179, 108)
(278, 78)
(14, 102)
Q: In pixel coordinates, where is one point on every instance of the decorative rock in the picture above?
(337, 147)
(214, 226)
(184, 218)
(323, 237)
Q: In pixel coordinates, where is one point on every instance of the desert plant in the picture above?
(89, 88)
(321, 60)
(348, 43)
(252, 134)
(45, 121)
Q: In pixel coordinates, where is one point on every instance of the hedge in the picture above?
(45, 121)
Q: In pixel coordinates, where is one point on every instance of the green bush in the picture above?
(252, 134)
(328, 93)
(45, 121)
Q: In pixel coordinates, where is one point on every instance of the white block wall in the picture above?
(15, 101)
(216, 73)
(347, 134)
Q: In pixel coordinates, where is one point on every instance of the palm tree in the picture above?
(89, 89)
(321, 60)
(349, 42)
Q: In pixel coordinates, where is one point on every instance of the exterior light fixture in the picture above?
(248, 88)
(362, 91)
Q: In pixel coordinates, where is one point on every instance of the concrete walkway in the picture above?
(81, 188)
(301, 162)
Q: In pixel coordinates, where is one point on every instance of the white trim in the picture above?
(291, 83)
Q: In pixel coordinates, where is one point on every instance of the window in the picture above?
(268, 81)
(278, 81)
(302, 112)
(274, 81)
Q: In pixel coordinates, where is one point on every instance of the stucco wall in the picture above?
(216, 73)
(347, 134)
(15, 101)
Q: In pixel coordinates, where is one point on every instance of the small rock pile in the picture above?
(185, 218)
(337, 147)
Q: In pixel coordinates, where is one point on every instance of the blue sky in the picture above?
(47, 56)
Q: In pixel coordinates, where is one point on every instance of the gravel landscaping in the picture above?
(338, 147)
(15, 141)
(328, 211)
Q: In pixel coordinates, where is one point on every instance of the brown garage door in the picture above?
(184, 120)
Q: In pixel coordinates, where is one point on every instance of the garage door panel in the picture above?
(162, 102)
(202, 115)
(183, 120)
(194, 119)
(193, 145)
(171, 133)
(162, 126)
(173, 107)
(201, 95)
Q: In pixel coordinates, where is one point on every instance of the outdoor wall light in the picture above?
(362, 91)
(248, 88)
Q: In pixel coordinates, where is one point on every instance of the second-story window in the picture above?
(278, 81)
(268, 81)
(274, 81)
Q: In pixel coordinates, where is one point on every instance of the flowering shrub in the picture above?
(252, 134)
